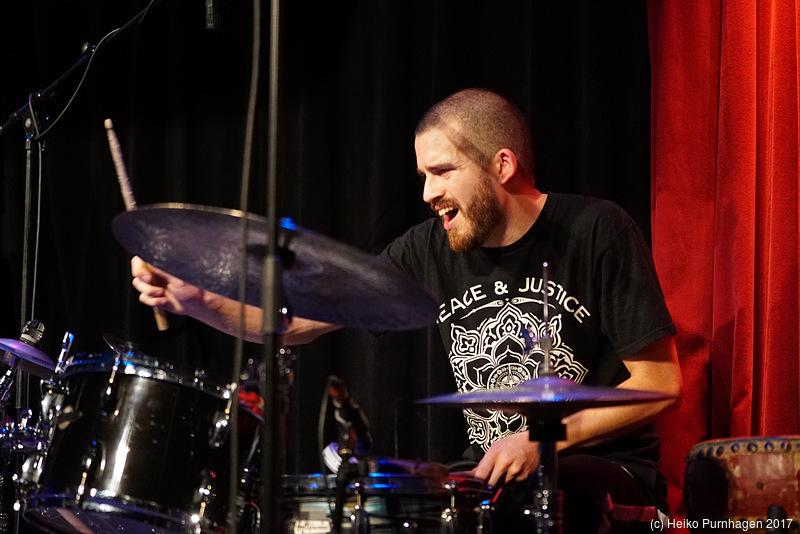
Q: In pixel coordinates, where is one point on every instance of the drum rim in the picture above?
(41, 502)
(386, 483)
(144, 366)
(723, 447)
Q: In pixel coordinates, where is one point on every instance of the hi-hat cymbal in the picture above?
(322, 279)
(32, 360)
(546, 397)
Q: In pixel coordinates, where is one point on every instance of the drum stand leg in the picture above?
(547, 506)
(347, 473)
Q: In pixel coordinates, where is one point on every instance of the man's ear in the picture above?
(505, 165)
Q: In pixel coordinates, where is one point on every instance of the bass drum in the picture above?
(387, 503)
(139, 446)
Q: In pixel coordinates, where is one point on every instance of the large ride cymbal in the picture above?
(322, 279)
(546, 397)
(31, 359)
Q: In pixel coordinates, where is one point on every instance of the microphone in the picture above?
(354, 437)
(212, 15)
(32, 332)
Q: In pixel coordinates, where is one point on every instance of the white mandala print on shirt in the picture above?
(493, 356)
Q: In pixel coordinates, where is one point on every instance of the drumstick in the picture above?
(128, 198)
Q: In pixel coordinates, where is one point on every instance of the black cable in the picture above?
(92, 51)
(245, 187)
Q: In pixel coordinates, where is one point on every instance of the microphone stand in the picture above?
(28, 114)
(87, 51)
(23, 381)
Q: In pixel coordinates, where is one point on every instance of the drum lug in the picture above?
(108, 401)
(207, 490)
(108, 398)
(450, 514)
(91, 467)
(449, 521)
(52, 406)
(221, 430)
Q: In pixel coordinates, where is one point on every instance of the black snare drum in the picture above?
(387, 503)
(138, 446)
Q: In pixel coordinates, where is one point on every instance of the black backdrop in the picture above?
(355, 78)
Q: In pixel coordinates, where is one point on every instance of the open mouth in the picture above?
(447, 215)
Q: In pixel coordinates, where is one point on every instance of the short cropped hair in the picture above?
(484, 122)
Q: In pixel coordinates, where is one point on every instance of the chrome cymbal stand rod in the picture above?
(547, 509)
(546, 340)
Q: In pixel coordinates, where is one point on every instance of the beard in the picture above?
(480, 217)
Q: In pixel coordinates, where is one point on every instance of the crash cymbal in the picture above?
(546, 397)
(322, 279)
(32, 360)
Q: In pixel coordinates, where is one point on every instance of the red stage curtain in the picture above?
(725, 215)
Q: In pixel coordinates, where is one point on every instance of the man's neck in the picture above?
(520, 212)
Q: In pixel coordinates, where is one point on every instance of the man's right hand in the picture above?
(162, 290)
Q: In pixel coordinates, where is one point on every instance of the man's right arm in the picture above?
(160, 289)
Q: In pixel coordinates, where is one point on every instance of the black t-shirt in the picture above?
(605, 304)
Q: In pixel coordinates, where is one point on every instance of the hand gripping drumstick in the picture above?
(127, 197)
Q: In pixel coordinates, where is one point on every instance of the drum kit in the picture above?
(124, 442)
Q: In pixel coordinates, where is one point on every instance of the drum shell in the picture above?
(144, 450)
(393, 503)
(741, 478)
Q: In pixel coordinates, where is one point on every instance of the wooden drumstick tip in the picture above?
(108, 124)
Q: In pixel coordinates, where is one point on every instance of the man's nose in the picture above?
(433, 189)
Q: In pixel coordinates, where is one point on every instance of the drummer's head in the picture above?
(479, 123)
(473, 149)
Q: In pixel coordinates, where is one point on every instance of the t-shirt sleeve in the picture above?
(633, 308)
(406, 253)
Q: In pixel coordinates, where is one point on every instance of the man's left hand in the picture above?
(511, 458)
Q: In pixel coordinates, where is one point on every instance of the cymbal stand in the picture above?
(547, 509)
(7, 382)
(17, 428)
(273, 439)
(8, 460)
